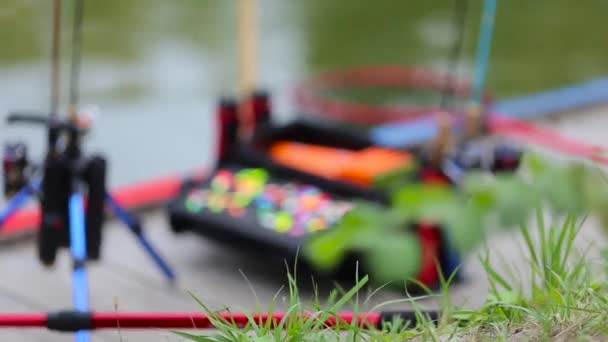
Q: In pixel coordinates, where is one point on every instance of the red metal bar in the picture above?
(503, 125)
(23, 320)
(164, 320)
(142, 320)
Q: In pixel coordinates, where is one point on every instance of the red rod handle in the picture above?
(71, 321)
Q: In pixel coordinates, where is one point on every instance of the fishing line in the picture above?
(460, 10)
(76, 55)
(440, 144)
(55, 55)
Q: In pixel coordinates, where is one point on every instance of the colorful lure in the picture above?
(288, 208)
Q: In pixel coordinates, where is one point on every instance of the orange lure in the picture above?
(360, 167)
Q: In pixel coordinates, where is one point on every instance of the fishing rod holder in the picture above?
(56, 129)
(66, 173)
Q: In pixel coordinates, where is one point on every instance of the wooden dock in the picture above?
(125, 280)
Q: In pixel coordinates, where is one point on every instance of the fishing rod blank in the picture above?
(79, 256)
(134, 226)
(56, 48)
(76, 57)
(460, 20)
(78, 237)
(483, 49)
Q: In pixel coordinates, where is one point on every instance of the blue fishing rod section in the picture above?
(18, 200)
(78, 248)
(483, 50)
(533, 106)
(135, 226)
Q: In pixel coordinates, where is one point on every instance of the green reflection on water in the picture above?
(538, 44)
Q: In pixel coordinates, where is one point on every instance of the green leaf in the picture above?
(416, 196)
(396, 260)
(467, 213)
(514, 200)
(327, 250)
(534, 164)
(561, 186)
(465, 228)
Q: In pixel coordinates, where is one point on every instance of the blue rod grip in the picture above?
(483, 49)
(77, 228)
(78, 248)
(82, 336)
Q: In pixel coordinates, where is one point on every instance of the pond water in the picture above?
(153, 69)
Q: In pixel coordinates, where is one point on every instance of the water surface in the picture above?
(153, 69)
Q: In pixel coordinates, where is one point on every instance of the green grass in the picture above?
(566, 298)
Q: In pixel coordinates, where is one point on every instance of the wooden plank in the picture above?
(202, 267)
(51, 290)
(217, 275)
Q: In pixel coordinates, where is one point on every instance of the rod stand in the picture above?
(134, 225)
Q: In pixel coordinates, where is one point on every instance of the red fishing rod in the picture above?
(542, 136)
(72, 321)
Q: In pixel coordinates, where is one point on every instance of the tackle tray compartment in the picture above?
(319, 203)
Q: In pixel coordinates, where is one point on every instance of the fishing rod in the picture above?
(72, 321)
(417, 126)
(78, 238)
(76, 59)
(474, 110)
(460, 20)
(439, 157)
(55, 59)
(78, 229)
(483, 50)
(473, 153)
(509, 127)
(247, 40)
